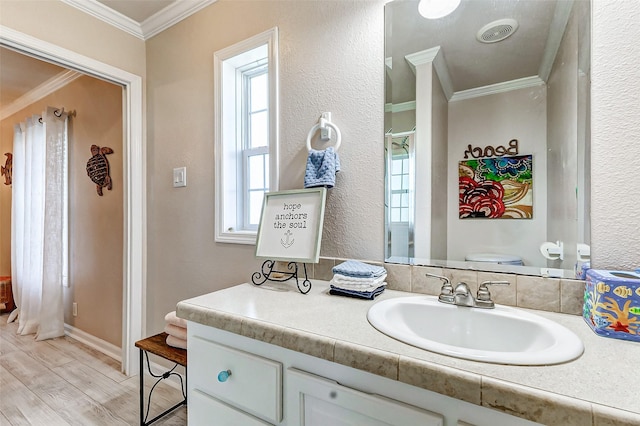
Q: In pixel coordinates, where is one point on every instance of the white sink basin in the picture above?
(502, 335)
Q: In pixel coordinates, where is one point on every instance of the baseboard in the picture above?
(115, 352)
(96, 343)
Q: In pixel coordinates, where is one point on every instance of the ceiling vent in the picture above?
(497, 30)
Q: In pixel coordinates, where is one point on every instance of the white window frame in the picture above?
(403, 190)
(228, 128)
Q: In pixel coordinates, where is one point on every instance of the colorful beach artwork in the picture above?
(496, 188)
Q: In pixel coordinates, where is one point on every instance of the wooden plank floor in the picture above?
(64, 382)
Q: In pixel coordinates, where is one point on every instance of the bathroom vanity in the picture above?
(271, 355)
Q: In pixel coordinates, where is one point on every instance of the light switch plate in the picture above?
(179, 177)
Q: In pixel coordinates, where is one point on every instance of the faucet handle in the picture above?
(483, 298)
(446, 291)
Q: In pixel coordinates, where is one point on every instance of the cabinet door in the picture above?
(316, 401)
(205, 410)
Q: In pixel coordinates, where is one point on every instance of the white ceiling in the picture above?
(472, 64)
(138, 10)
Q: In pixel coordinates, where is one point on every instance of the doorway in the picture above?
(134, 179)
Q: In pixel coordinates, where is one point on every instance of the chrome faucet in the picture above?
(461, 295)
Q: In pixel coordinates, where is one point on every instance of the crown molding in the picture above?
(556, 32)
(171, 15)
(492, 89)
(55, 83)
(108, 15)
(160, 21)
(436, 57)
(422, 57)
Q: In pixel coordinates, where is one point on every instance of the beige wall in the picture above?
(6, 145)
(69, 28)
(95, 223)
(330, 60)
(518, 114)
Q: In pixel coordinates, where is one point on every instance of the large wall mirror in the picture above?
(487, 144)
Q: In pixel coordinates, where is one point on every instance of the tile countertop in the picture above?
(599, 388)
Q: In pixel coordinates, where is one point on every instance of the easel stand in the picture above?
(268, 273)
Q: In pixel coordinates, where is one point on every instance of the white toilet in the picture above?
(501, 259)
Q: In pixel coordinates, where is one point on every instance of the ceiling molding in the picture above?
(422, 57)
(55, 83)
(108, 15)
(171, 15)
(434, 56)
(492, 89)
(160, 21)
(556, 32)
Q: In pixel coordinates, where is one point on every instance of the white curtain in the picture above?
(39, 224)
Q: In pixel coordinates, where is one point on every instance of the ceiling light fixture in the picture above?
(435, 9)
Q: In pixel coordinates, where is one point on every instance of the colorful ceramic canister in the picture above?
(581, 270)
(612, 303)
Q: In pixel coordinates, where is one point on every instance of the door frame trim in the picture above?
(134, 249)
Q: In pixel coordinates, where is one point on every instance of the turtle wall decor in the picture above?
(98, 168)
(7, 168)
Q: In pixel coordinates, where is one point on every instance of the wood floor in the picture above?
(63, 382)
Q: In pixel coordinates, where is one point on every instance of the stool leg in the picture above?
(141, 389)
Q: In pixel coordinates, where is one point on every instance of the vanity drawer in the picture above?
(317, 401)
(255, 383)
(206, 410)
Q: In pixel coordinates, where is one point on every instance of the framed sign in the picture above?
(291, 225)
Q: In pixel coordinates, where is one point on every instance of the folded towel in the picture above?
(354, 268)
(342, 280)
(175, 331)
(370, 295)
(322, 167)
(356, 287)
(171, 318)
(176, 343)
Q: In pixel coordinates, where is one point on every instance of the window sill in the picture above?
(238, 237)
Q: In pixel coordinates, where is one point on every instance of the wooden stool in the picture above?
(157, 345)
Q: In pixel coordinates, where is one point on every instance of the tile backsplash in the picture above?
(525, 291)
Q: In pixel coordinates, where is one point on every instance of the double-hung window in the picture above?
(246, 132)
(400, 188)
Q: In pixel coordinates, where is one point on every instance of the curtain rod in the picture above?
(58, 113)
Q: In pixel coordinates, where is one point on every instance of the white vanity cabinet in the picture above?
(272, 385)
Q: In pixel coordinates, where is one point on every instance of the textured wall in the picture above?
(615, 134)
(331, 59)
